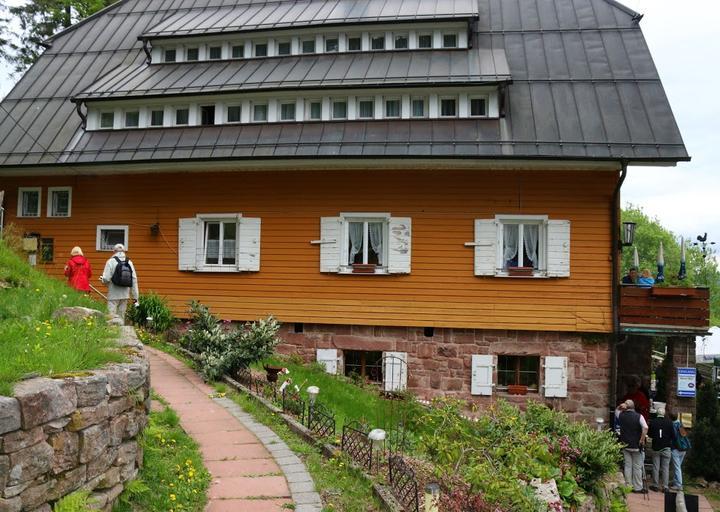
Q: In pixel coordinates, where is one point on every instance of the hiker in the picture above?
(680, 446)
(121, 279)
(631, 277)
(78, 270)
(662, 434)
(642, 404)
(633, 429)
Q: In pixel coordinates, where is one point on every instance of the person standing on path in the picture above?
(680, 446)
(662, 434)
(121, 279)
(78, 270)
(633, 429)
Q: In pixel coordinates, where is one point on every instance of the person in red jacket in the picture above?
(78, 270)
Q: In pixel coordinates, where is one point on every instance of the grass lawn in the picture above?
(32, 343)
(173, 477)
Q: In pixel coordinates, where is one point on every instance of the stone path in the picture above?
(252, 469)
(655, 502)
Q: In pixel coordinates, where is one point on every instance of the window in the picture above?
(170, 55)
(366, 109)
(363, 364)
(392, 108)
(377, 42)
(238, 51)
(425, 41)
(354, 44)
(450, 41)
(314, 110)
(283, 48)
(220, 242)
(207, 115)
(107, 119)
(132, 119)
(287, 111)
(448, 107)
(308, 46)
(233, 114)
(59, 201)
(478, 107)
(366, 241)
(29, 201)
(519, 371)
(339, 109)
(157, 117)
(182, 116)
(108, 236)
(331, 44)
(401, 41)
(417, 106)
(522, 242)
(261, 49)
(192, 54)
(260, 112)
(215, 52)
(47, 250)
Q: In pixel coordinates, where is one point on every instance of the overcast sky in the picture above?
(684, 42)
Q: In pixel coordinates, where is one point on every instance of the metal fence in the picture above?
(403, 483)
(321, 420)
(293, 404)
(357, 444)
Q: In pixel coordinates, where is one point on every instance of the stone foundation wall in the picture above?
(60, 435)
(440, 365)
(681, 351)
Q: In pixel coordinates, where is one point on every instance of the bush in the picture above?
(155, 307)
(703, 460)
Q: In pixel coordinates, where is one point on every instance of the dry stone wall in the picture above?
(61, 435)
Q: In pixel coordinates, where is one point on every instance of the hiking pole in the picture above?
(99, 292)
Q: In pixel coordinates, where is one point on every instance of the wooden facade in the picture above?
(441, 290)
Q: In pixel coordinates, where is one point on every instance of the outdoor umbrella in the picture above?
(683, 273)
(660, 264)
(636, 259)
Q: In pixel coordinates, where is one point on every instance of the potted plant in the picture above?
(517, 389)
(272, 372)
(520, 271)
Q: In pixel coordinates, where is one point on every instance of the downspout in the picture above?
(615, 239)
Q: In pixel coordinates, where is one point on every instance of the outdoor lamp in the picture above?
(313, 392)
(377, 436)
(432, 497)
(599, 422)
(628, 233)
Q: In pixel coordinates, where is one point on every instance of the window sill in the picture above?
(536, 275)
(379, 271)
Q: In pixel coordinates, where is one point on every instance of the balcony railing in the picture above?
(664, 310)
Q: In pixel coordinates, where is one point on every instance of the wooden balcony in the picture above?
(664, 310)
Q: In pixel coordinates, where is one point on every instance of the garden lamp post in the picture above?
(313, 392)
(432, 497)
(377, 436)
(599, 424)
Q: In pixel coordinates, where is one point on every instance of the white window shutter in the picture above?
(395, 371)
(486, 242)
(249, 244)
(556, 377)
(558, 252)
(328, 357)
(482, 380)
(399, 245)
(330, 242)
(187, 244)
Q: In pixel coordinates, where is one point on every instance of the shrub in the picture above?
(703, 460)
(155, 307)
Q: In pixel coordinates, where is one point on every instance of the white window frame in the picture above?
(326, 38)
(261, 42)
(365, 217)
(302, 45)
(332, 108)
(164, 55)
(425, 34)
(102, 112)
(49, 211)
(371, 100)
(277, 47)
(457, 40)
(21, 191)
(425, 107)
(254, 104)
(175, 111)
(214, 45)
(385, 109)
(377, 35)
(187, 50)
(280, 107)
(457, 107)
(234, 44)
(155, 108)
(347, 43)
(539, 220)
(227, 113)
(401, 34)
(479, 97)
(131, 111)
(107, 227)
(308, 109)
(221, 218)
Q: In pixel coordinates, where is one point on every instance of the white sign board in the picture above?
(686, 382)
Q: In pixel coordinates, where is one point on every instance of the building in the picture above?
(435, 182)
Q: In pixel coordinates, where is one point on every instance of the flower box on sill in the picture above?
(520, 271)
(360, 268)
(517, 389)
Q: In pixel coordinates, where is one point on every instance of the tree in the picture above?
(38, 20)
(701, 271)
(704, 460)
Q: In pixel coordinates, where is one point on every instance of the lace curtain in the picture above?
(375, 230)
(356, 240)
(510, 244)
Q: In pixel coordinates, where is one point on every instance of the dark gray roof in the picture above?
(303, 71)
(583, 86)
(282, 14)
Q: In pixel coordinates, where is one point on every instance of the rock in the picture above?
(137, 372)
(109, 479)
(128, 472)
(118, 425)
(15, 490)
(117, 379)
(126, 453)
(91, 390)
(87, 416)
(9, 414)
(67, 483)
(44, 400)
(4, 471)
(20, 439)
(100, 464)
(134, 424)
(66, 446)
(36, 495)
(701, 482)
(77, 313)
(546, 492)
(56, 426)
(118, 405)
(11, 505)
(93, 441)
(30, 463)
(43, 508)
(115, 320)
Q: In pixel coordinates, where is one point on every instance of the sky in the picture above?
(684, 43)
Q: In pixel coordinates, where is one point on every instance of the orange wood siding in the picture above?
(441, 291)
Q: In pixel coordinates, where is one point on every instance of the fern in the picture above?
(79, 501)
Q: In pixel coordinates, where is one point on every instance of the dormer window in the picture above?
(132, 119)
(260, 112)
(261, 49)
(207, 115)
(107, 119)
(157, 117)
(478, 107)
(366, 108)
(418, 107)
(401, 41)
(331, 44)
(287, 111)
(308, 46)
(314, 110)
(377, 42)
(392, 108)
(448, 107)
(354, 43)
(215, 52)
(425, 41)
(170, 55)
(182, 116)
(192, 54)
(238, 51)
(233, 113)
(283, 48)
(339, 109)
(450, 41)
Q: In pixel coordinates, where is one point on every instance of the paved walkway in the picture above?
(252, 469)
(655, 502)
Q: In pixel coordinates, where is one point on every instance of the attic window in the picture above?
(354, 44)
(283, 48)
(207, 115)
(107, 119)
(170, 55)
(418, 108)
(157, 117)
(377, 42)
(233, 114)
(261, 49)
(448, 107)
(308, 46)
(478, 107)
(132, 119)
(260, 112)
(425, 41)
(450, 41)
(401, 41)
(182, 116)
(215, 53)
(331, 44)
(314, 109)
(339, 109)
(392, 108)
(238, 51)
(192, 54)
(287, 112)
(366, 108)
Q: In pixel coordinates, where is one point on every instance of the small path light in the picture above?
(599, 424)
(313, 392)
(377, 436)
(432, 497)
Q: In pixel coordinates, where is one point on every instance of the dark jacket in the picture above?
(662, 433)
(630, 429)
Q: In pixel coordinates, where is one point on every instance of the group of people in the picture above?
(119, 276)
(643, 279)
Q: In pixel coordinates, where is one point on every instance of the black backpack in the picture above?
(123, 275)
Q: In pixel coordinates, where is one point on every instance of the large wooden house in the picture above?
(434, 181)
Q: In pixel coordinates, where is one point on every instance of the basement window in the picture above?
(364, 364)
(519, 371)
(47, 250)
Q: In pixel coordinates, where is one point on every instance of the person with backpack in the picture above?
(662, 433)
(121, 279)
(78, 270)
(633, 430)
(680, 446)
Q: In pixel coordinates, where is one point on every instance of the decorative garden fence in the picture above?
(357, 444)
(293, 404)
(403, 483)
(321, 420)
